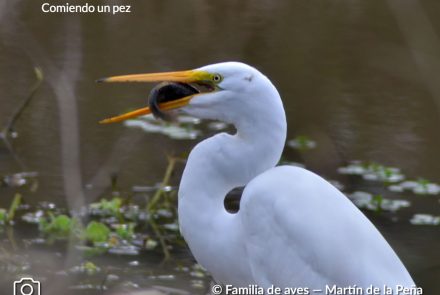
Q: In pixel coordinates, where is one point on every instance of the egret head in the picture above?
(226, 91)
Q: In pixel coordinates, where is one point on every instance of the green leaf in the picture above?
(108, 207)
(125, 231)
(3, 216)
(302, 143)
(60, 225)
(90, 268)
(14, 205)
(377, 201)
(97, 232)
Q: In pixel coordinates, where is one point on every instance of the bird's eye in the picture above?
(217, 78)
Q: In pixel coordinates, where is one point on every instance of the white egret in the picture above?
(293, 229)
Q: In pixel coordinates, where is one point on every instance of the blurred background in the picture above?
(360, 81)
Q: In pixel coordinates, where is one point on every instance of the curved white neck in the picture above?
(216, 166)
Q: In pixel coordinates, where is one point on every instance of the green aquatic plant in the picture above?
(160, 203)
(125, 231)
(14, 206)
(377, 203)
(425, 219)
(33, 217)
(391, 176)
(97, 232)
(217, 125)
(183, 128)
(153, 204)
(150, 244)
(418, 187)
(90, 268)
(7, 216)
(373, 171)
(3, 216)
(198, 271)
(18, 179)
(58, 227)
(114, 235)
(86, 267)
(106, 207)
(302, 143)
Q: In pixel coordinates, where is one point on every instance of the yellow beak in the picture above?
(191, 76)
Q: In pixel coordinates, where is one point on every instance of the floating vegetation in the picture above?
(117, 232)
(124, 249)
(3, 216)
(86, 287)
(96, 232)
(425, 219)
(86, 267)
(134, 263)
(150, 244)
(18, 179)
(125, 231)
(106, 207)
(302, 143)
(37, 238)
(33, 217)
(198, 271)
(115, 226)
(58, 227)
(7, 216)
(171, 226)
(184, 128)
(217, 125)
(162, 277)
(109, 235)
(419, 187)
(130, 285)
(182, 119)
(14, 206)
(377, 203)
(373, 171)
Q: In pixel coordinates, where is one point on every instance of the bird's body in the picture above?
(293, 229)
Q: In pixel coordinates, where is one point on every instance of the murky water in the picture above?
(361, 78)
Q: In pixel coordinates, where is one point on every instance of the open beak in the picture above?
(191, 76)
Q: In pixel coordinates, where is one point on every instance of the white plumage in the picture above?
(293, 227)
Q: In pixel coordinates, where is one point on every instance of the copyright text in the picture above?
(328, 290)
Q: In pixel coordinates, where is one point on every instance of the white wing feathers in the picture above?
(301, 231)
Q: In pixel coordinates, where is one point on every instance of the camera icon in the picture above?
(27, 286)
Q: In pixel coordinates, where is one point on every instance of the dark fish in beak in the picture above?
(168, 91)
